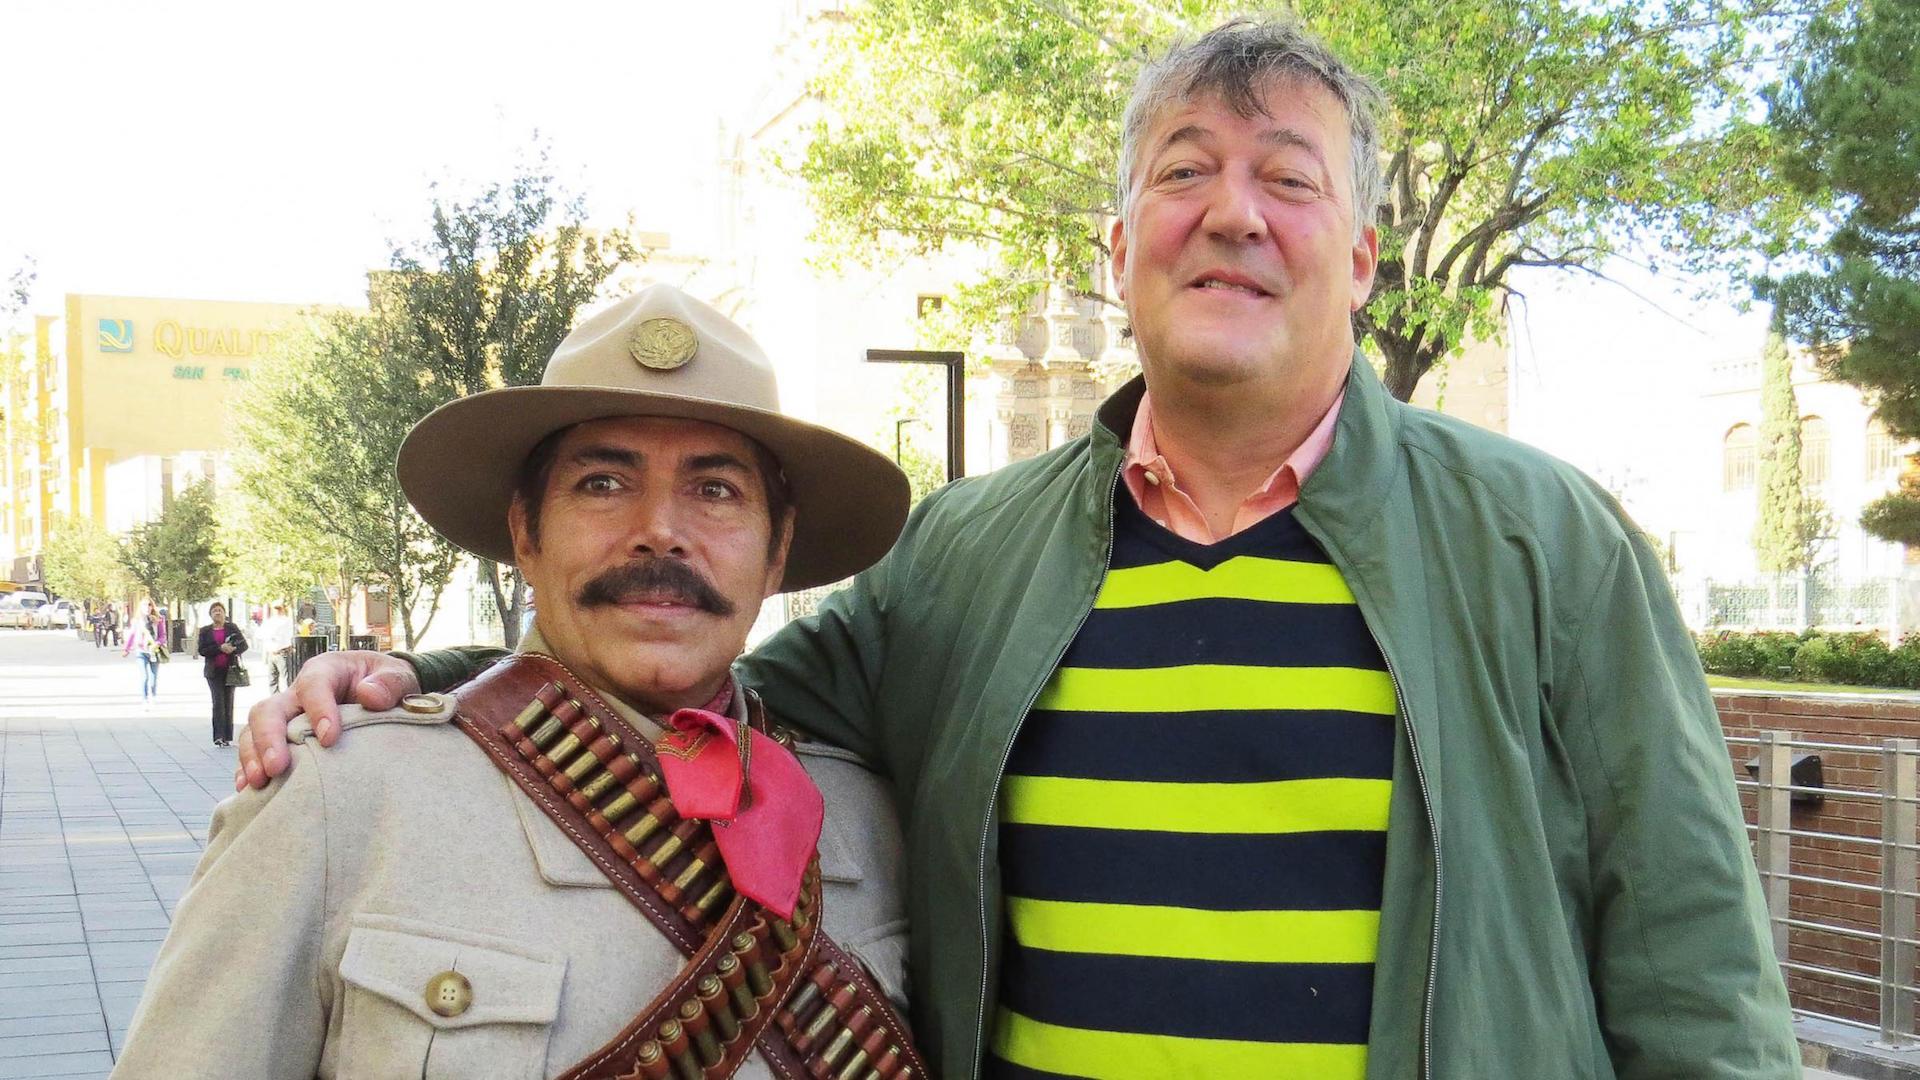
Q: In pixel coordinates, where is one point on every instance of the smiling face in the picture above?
(1237, 257)
(655, 549)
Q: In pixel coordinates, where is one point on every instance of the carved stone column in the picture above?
(1063, 318)
(1008, 370)
(1020, 409)
(1072, 397)
(1070, 393)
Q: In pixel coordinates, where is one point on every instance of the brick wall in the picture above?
(1851, 721)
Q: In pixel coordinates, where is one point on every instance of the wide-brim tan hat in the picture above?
(658, 352)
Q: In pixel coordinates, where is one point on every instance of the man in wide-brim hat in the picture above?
(599, 857)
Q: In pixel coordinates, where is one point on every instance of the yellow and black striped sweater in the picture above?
(1193, 821)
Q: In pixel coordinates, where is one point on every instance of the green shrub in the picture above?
(1768, 654)
(1906, 660)
(1860, 658)
(1816, 661)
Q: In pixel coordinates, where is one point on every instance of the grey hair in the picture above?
(1238, 60)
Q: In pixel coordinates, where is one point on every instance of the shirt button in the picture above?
(449, 993)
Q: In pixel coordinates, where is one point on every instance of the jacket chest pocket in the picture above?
(428, 1002)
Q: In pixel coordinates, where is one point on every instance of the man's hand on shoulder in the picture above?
(374, 680)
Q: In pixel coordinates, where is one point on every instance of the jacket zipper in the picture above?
(999, 775)
(1433, 821)
(1433, 828)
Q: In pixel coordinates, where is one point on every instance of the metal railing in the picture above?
(1865, 603)
(1899, 878)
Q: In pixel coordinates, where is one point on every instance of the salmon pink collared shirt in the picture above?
(1157, 492)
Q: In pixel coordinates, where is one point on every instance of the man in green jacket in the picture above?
(1275, 728)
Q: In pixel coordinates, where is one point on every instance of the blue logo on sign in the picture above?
(116, 335)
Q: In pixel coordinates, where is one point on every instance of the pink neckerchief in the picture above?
(766, 811)
(1157, 492)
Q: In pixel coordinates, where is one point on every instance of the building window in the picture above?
(926, 304)
(1736, 458)
(1813, 450)
(1883, 453)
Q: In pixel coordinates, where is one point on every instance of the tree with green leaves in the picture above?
(176, 557)
(1791, 524)
(1549, 134)
(1849, 111)
(487, 296)
(188, 542)
(82, 561)
(317, 437)
(139, 554)
(265, 561)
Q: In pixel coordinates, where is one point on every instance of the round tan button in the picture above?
(449, 993)
(421, 703)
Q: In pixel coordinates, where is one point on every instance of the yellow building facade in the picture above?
(104, 401)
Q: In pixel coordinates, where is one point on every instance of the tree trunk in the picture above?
(1405, 365)
(343, 610)
(398, 598)
(413, 636)
(509, 601)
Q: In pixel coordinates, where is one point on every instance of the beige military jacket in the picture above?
(326, 905)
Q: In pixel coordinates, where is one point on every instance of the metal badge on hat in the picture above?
(663, 344)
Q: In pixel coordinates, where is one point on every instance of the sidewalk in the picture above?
(103, 813)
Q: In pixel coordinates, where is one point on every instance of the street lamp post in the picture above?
(956, 365)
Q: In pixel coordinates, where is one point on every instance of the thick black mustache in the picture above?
(654, 579)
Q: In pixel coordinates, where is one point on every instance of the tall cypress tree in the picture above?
(1790, 522)
(1848, 115)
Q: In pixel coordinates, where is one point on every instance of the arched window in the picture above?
(1737, 457)
(1813, 450)
(1883, 453)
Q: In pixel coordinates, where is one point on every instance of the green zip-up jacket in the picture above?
(1569, 889)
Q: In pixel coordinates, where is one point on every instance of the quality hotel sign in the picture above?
(193, 348)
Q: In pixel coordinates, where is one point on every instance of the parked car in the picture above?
(16, 609)
(58, 615)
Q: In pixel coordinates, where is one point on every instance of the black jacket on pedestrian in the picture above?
(208, 649)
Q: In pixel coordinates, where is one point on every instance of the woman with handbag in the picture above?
(144, 641)
(222, 644)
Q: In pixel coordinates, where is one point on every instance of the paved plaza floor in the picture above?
(103, 813)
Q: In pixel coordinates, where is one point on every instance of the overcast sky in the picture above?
(226, 150)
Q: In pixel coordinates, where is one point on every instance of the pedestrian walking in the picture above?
(113, 623)
(144, 641)
(221, 643)
(276, 638)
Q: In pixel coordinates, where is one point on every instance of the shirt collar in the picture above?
(1147, 466)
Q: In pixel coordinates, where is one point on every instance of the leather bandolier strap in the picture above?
(752, 980)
